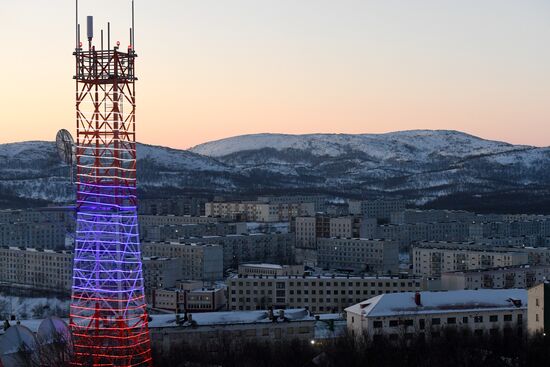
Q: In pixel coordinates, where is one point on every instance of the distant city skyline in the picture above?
(210, 69)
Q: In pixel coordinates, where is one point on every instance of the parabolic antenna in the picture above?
(18, 347)
(53, 330)
(64, 143)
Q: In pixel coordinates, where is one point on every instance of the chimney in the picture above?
(417, 299)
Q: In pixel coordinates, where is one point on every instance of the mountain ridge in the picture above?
(421, 165)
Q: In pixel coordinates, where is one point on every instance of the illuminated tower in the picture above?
(108, 311)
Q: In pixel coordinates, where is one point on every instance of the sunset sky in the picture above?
(212, 69)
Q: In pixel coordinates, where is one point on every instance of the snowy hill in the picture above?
(422, 165)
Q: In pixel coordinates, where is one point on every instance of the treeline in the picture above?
(454, 348)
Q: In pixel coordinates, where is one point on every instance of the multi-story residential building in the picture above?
(346, 227)
(359, 255)
(190, 296)
(165, 220)
(257, 247)
(45, 228)
(380, 209)
(36, 268)
(178, 205)
(306, 232)
(167, 232)
(403, 315)
(222, 330)
(522, 276)
(258, 211)
(160, 272)
(406, 234)
(198, 261)
(319, 201)
(538, 317)
(270, 270)
(413, 216)
(431, 259)
(321, 294)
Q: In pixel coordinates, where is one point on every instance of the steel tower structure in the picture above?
(108, 317)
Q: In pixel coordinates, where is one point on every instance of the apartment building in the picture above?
(179, 205)
(167, 232)
(258, 211)
(406, 234)
(222, 330)
(538, 317)
(412, 216)
(257, 247)
(431, 259)
(379, 209)
(270, 270)
(522, 276)
(165, 220)
(190, 296)
(306, 232)
(320, 294)
(404, 315)
(198, 261)
(36, 268)
(358, 255)
(160, 272)
(319, 201)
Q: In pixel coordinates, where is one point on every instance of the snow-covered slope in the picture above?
(421, 165)
(396, 145)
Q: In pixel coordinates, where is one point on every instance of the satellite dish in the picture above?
(18, 347)
(64, 143)
(53, 330)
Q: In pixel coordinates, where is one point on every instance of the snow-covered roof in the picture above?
(266, 266)
(440, 302)
(231, 318)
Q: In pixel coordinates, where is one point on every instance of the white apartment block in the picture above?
(259, 212)
(36, 268)
(538, 318)
(431, 259)
(257, 247)
(522, 276)
(321, 294)
(198, 261)
(405, 315)
(359, 255)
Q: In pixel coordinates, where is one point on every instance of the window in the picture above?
(436, 321)
(478, 319)
(377, 324)
(393, 323)
(507, 317)
(451, 320)
(422, 324)
(493, 318)
(465, 320)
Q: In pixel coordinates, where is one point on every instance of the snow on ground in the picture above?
(32, 307)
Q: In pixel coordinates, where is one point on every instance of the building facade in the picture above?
(522, 276)
(198, 261)
(359, 255)
(405, 315)
(321, 294)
